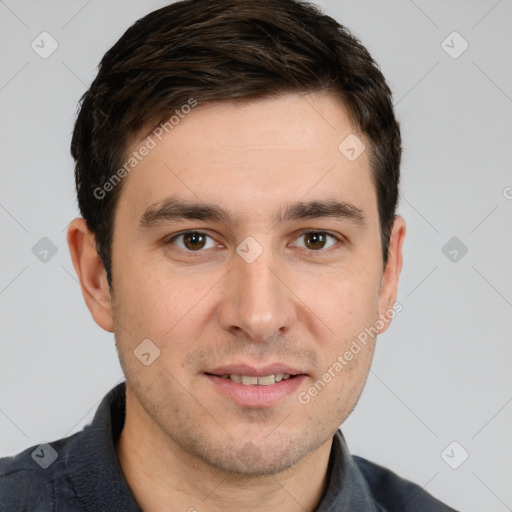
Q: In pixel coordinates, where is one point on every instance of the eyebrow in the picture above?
(172, 209)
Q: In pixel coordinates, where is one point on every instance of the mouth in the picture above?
(252, 380)
(248, 386)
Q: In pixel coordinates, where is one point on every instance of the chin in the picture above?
(259, 458)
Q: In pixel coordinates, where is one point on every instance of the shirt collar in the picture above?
(98, 479)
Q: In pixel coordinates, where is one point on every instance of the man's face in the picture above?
(291, 298)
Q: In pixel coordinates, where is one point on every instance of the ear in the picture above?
(389, 283)
(91, 273)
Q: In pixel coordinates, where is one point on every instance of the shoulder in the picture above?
(395, 493)
(25, 486)
(30, 480)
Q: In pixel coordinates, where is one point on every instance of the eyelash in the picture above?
(338, 238)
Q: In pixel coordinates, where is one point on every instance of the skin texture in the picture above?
(184, 443)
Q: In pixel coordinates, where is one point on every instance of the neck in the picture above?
(160, 473)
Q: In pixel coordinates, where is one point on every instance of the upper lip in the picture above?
(253, 371)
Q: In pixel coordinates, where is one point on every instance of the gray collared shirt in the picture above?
(81, 473)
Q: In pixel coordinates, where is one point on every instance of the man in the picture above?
(237, 168)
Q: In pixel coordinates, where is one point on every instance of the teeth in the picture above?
(266, 380)
(249, 380)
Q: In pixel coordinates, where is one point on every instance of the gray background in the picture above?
(441, 373)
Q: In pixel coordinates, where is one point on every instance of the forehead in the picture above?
(252, 152)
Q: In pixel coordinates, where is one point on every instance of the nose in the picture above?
(257, 300)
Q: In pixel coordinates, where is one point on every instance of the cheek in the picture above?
(156, 304)
(346, 303)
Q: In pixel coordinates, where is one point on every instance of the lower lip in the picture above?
(256, 396)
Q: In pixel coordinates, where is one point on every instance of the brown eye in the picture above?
(315, 240)
(193, 241)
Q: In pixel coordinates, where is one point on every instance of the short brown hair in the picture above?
(224, 50)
